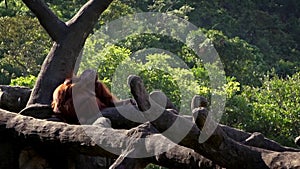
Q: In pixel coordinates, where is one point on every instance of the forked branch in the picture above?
(50, 22)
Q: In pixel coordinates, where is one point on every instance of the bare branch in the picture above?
(69, 40)
(51, 23)
(86, 18)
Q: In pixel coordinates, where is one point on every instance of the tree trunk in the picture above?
(58, 144)
(69, 39)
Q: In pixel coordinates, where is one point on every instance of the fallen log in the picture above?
(236, 137)
(10, 100)
(219, 147)
(96, 140)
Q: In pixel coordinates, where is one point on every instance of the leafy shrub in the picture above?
(240, 59)
(23, 46)
(27, 81)
(272, 109)
(159, 71)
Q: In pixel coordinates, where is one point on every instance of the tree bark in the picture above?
(56, 28)
(219, 147)
(223, 147)
(10, 100)
(13, 98)
(68, 38)
(76, 138)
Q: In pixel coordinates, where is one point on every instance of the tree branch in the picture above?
(69, 40)
(15, 98)
(86, 18)
(51, 23)
(87, 139)
(219, 147)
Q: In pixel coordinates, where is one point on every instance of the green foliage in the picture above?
(116, 10)
(152, 166)
(23, 47)
(160, 72)
(13, 8)
(251, 37)
(104, 60)
(145, 41)
(202, 79)
(232, 87)
(240, 59)
(172, 7)
(269, 25)
(166, 73)
(65, 10)
(5, 75)
(27, 81)
(237, 109)
(272, 109)
(277, 105)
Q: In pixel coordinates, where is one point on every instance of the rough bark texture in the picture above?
(219, 147)
(225, 147)
(27, 142)
(68, 38)
(47, 135)
(10, 97)
(51, 23)
(13, 98)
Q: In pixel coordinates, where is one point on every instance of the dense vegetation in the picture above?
(257, 42)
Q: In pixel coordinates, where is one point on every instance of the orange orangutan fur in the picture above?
(63, 105)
